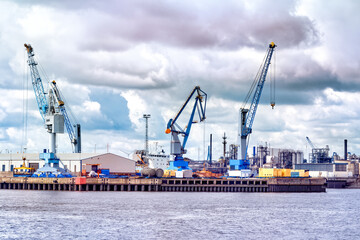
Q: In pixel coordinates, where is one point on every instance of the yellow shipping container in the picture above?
(276, 172)
(269, 172)
(265, 172)
(169, 173)
(304, 173)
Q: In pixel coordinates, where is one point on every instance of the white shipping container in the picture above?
(179, 174)
(327, 174)
(343, 174)
(184, 174)
(245, 173)
(324, 174)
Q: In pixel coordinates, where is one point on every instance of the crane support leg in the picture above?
(78, 137)
(52, 142)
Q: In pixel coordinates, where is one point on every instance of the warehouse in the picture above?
(116, 164)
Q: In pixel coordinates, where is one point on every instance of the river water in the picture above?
(167, 215)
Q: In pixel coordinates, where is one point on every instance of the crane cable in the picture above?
(254, 83)
(47, 79)
(72, 116)
(204, 134)
(272, 82)
(25, 107)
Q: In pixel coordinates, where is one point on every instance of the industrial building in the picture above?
(72, 161)
(264, 156)
(338, 169)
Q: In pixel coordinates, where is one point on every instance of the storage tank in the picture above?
(299, 157)
(148, 172)
(152, 172)
(159, 172)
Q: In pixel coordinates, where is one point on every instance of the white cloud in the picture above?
(137, 107)
(154, 54)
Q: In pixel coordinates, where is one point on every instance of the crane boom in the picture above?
(248, 115)
(310, 143)
(72, 130)
(37, 83)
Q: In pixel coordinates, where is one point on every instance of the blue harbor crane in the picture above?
(53, 112)
(177, 148)
(248, 115)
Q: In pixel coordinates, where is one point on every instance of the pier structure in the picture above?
(166, 184)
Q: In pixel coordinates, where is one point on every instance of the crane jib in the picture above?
(177, 148)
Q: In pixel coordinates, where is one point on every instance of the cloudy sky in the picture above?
(117, 60)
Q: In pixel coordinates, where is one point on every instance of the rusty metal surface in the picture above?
(296, 181)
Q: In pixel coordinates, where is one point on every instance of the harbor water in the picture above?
(179, 215)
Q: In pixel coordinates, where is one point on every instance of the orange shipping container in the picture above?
(285, 172)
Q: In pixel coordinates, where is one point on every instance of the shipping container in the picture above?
(245, 173)
(269, 172)
(183, 174)
(304, 173)
(324, 174)
(343, 174)
(285, 173)
(105, 171)
(169, 173)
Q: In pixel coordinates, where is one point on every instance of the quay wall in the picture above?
(165, 184)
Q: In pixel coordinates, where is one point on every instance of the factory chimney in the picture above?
(345, 149)
(224, 143)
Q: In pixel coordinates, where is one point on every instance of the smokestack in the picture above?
(345, 149)
(224, 143)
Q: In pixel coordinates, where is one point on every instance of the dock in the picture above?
(165, 184)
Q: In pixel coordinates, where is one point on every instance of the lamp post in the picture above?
(146, 116)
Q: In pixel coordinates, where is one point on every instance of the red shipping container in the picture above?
(80, 180)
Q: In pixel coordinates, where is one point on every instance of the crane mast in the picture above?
(248, 115)
(177, 148)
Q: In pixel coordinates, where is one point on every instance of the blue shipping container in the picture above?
(105, 171)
